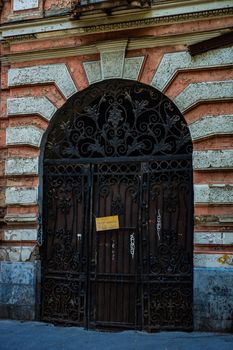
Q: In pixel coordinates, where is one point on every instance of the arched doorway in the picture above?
(118, 148)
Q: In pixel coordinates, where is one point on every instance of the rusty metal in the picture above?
(118, 148)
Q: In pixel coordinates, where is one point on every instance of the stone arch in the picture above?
(133, 134)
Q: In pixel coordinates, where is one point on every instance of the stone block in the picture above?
(21, 218)
(17, 272)
(210, 160)
(174, 62)
(132, 67)
(52, 73)
(112, 64)
(93, 71)
(207, 91)
(20, 235)
(213, 260)
(31, 105)
(112, 56)
(23, 196)
(17, 253)
(213, 194)
(213, 299)
(211, 126)
(213, 237)
(19, 5)
(21, 166)
(17, 294)
(24, 135)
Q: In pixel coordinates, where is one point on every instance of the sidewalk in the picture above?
(16, 335)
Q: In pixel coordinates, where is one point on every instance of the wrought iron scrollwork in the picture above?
(118, 148)
(118, 120)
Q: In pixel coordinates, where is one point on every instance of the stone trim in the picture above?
(200, 92)
(112, 56)
(213, 260)
(19, 5)
(132, 67)
(158, 16)
(24, 135)
(21, 166)
(172, 63)
(17, 273)
(213, 237)
(134, 44)
(23, 196)
(211, 125)
(20, 235)
(31, 105)
(93, 71)
(52, 73)
(213, 194)
(16, 253)
(113, 65)
(213, 160)
(12, 219)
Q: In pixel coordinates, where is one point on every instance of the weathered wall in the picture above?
(45, 63)
(18, 286)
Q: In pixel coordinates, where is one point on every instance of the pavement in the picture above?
(17, 335)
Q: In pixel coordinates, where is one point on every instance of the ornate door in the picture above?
(118, 148)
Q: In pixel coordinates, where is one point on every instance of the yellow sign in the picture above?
(107, 223)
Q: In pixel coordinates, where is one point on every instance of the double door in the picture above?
(137, 276)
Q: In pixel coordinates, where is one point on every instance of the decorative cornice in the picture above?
(133, 44)
(149, 22)
(45, 28)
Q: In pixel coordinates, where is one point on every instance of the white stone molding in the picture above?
(24, 135)
(21, 166)
(175, 12)
(209, 91)
(132, 67)
(31, 105)
(172, 63)
(28, 218)
(21, 254)
(213, 237)
(19, 5)
(113, 63)
(213, 194)
(93, 71)
(210, 126)
(20, 235)
(112, 55)
(23, 196)
(52, 73)
(213, 160)
(213, 260)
